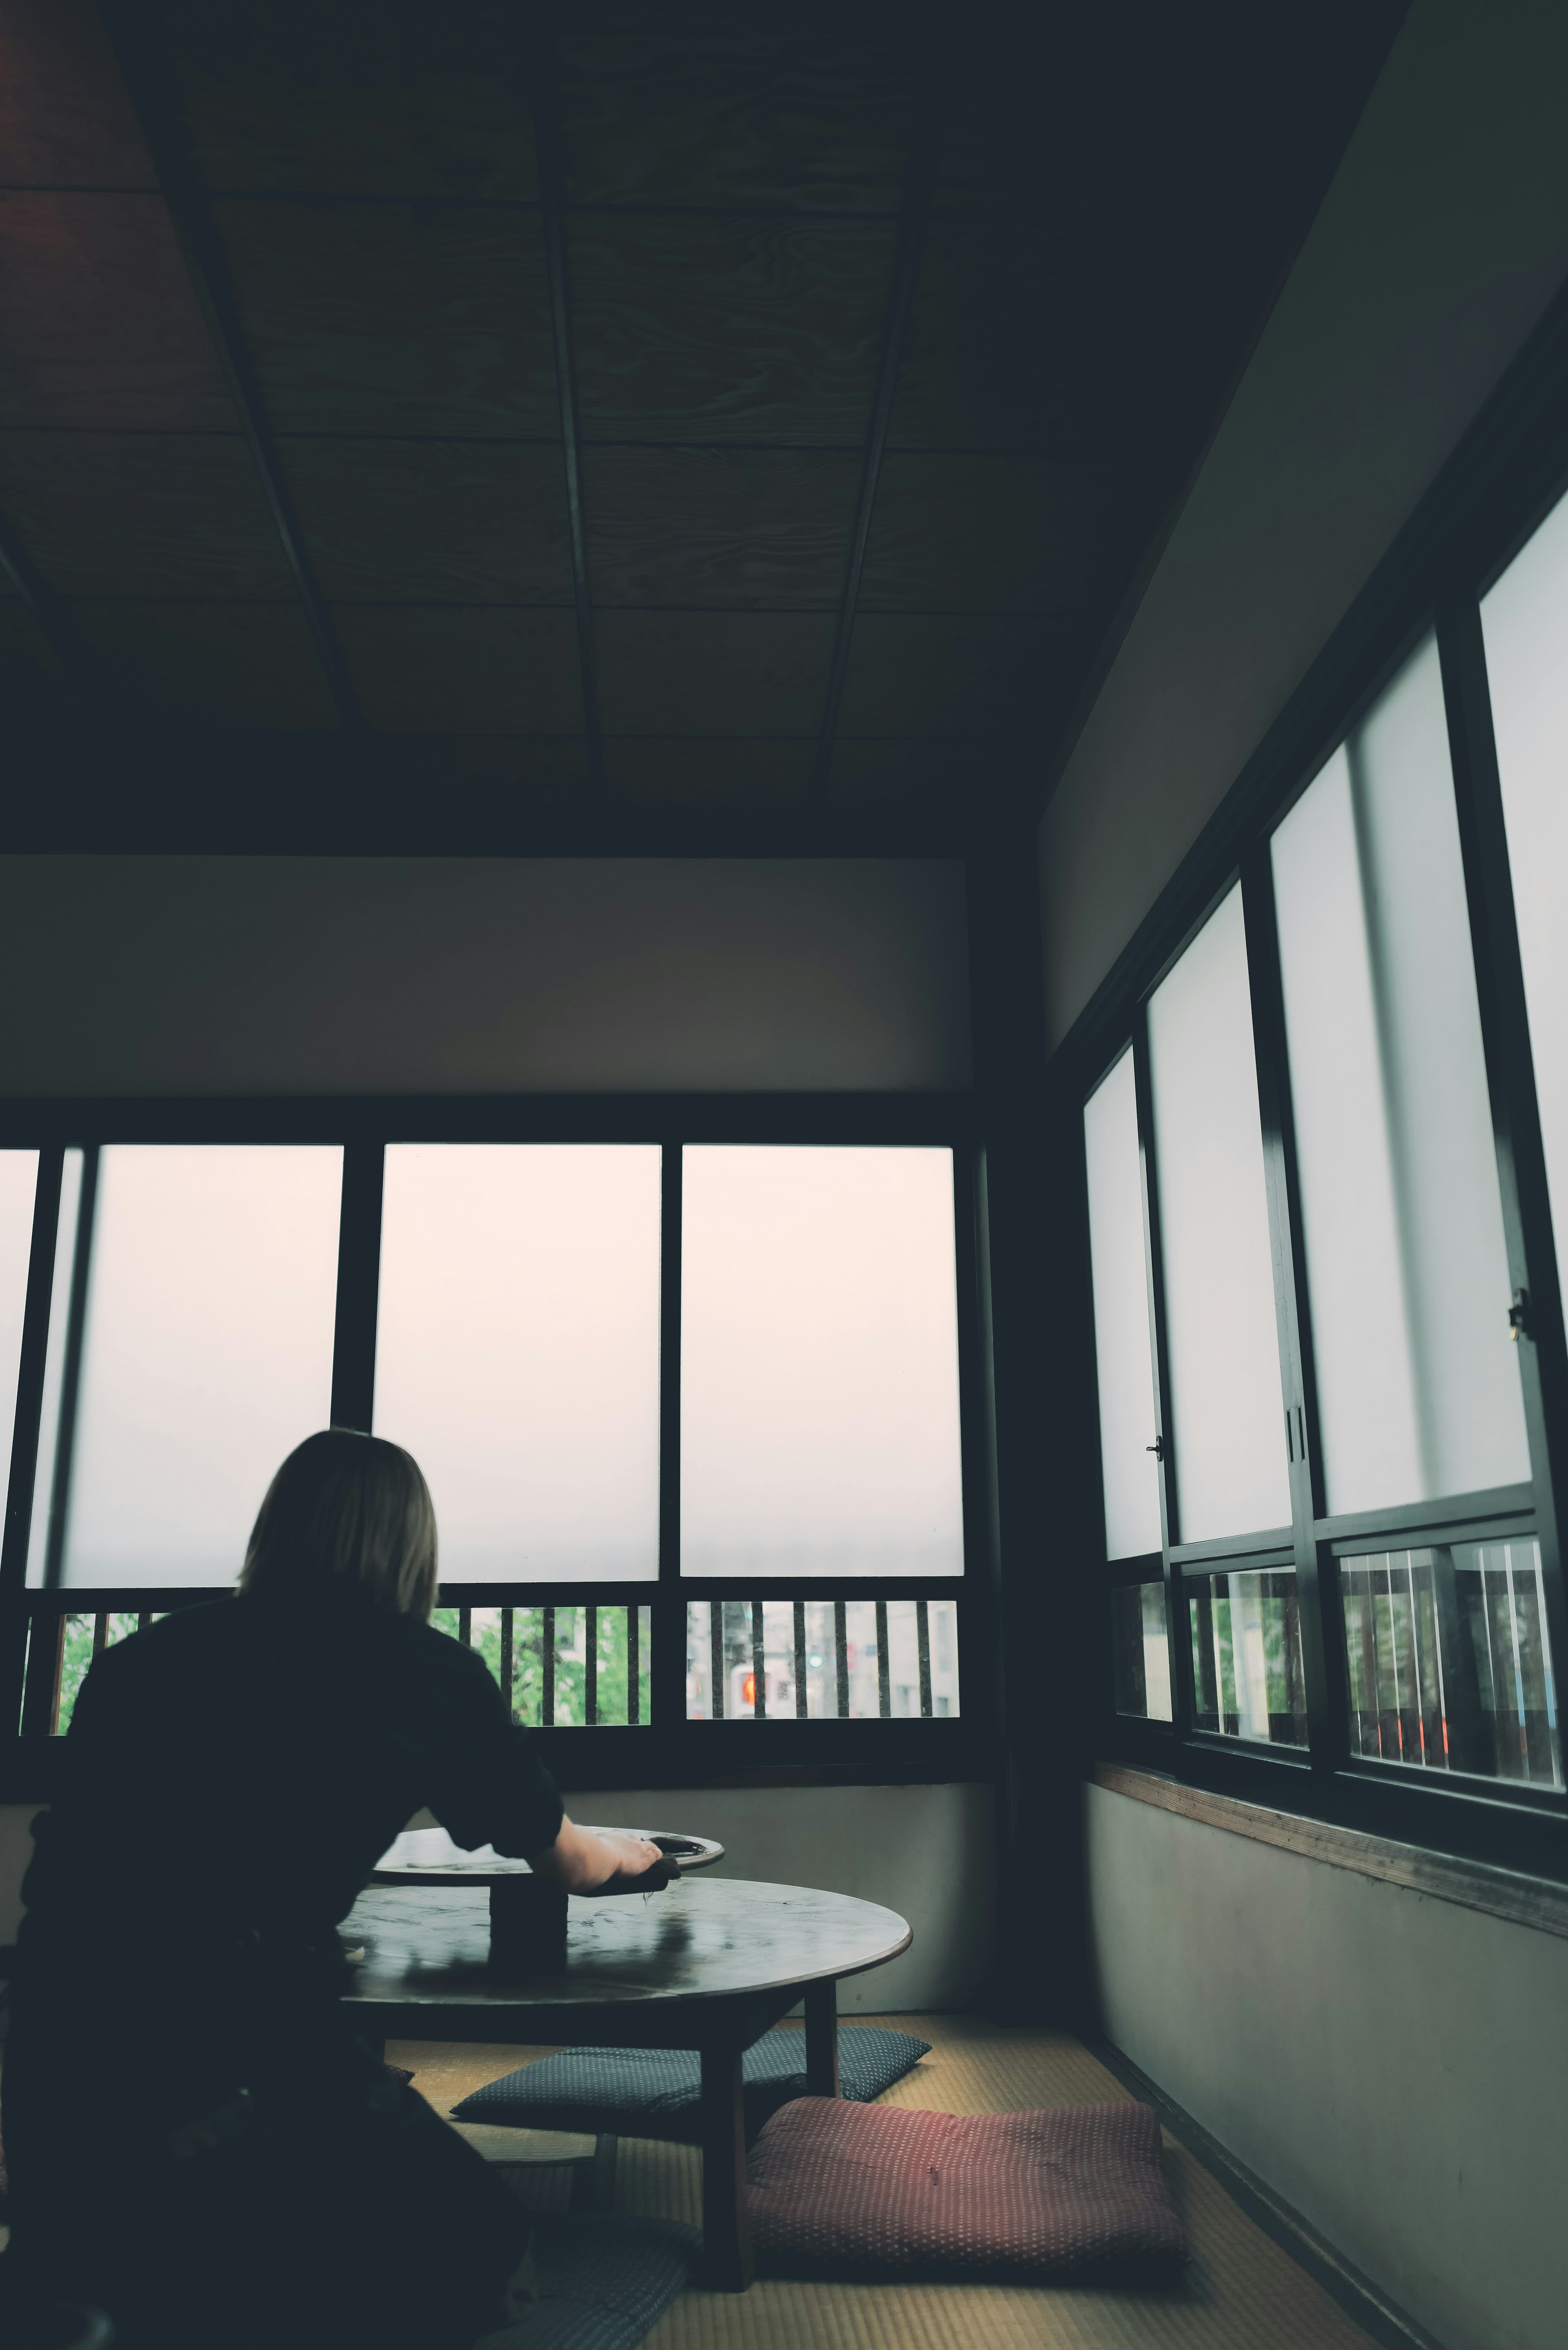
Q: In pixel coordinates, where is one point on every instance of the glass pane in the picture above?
(860, 1657)
(18, 1185)
(76, 1653)
(206, 1354)
(1140, 1651)
(1123, 1364)
(1418, 1383)
(943, 1615)
(819, 1364)
(861, 1663)
(1525, 619)
(1247, 1656)
(517, 1353)
(1449, 1659)
(1230, 1470)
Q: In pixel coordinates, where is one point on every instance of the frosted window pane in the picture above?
(517, 1353)
(206, 1352)
(1417, 1379)
(1231, 1475)
(1122, 1359)
(18, 1185)
(1525, 617)
(819, 1426)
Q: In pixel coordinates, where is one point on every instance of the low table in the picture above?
(705, 1964)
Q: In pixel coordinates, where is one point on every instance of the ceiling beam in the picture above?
(553, 200)
(920, 180)
(154, 98)
(57, 624)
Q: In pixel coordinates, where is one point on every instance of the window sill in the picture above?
(1525, 1900)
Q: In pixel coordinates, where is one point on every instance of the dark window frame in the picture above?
(1505, 477)
(667, 1751)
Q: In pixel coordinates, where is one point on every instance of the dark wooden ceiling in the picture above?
(462, 425)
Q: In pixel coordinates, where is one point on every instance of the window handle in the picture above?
(1156, 1448)
(1519, 1316)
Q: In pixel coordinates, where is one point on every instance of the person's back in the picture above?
(195, 2134)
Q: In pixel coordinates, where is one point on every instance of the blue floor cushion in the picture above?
(603, 2282)
(654, 2092)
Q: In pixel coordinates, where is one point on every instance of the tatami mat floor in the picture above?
(1241, 2291)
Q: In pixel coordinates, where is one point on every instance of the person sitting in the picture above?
(198, 2140)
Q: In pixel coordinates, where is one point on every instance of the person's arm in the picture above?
(585, 1860)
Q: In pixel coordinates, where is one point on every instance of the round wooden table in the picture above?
(707, 1964)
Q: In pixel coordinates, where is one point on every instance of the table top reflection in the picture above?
(697, 1940)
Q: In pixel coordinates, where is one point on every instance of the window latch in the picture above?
(1519, 1316)
(1156, 1448)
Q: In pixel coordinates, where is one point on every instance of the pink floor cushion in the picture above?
(837, 2190)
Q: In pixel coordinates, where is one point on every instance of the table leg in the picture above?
(822, 2040)
(726, 2231)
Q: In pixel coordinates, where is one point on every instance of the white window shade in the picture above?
(1525, 618)
(206, 1354)
(1227, 1405)
(517, 1353)
(819, 1363)
(1406, 1273)
(1123, 1363)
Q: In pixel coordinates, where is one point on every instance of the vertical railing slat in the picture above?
(716, 1655)
(590, 1664)
(884, 1689)
(508, 1672)
(841, 1656)
(923, 1645)
(759, 1664)
(801, 1706)
(547, 1669)
(465, 1626)
(633, 1667)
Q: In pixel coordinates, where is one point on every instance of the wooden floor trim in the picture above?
(1506, 1893)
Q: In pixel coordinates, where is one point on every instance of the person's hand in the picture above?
(602, 1860)
(632, 1855)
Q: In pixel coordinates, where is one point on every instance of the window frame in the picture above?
(667, 1751)
(1504, 479)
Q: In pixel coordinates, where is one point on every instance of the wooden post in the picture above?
(822, 2039)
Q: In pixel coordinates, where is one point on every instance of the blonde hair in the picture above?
(346, 1509)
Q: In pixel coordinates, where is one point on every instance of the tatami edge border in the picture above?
(1506, 1893)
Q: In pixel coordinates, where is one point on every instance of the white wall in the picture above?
(927, 1852)
(314, 974)
(1441, 240)
(1396, 2067)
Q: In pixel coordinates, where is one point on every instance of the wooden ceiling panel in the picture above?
(941, 675)
(200, 663)
(736, 122)
(143, 514)
(356, 96)
(1007, 344)
(961, 531)
(871, 773)
(65, 118)
(727, 328)
(710, 527)
(541, 767)
(712, 672)
(743, 779)
(32, 682)
(432, 668)
(392, 318)
(432, 521)
(102, 326)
